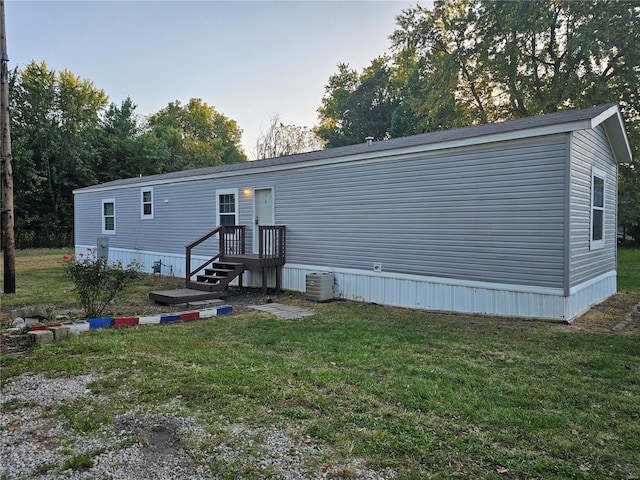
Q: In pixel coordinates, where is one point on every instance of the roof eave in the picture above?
(614, 127)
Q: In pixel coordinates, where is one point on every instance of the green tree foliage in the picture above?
(125, 150)
(196, 135)
(65, 135)
(356, 106)
(56, 117)
(466, 62)
(507, 59)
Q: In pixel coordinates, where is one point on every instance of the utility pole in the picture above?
(8, 236)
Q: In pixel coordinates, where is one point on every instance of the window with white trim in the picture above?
(598, 182)
(109, 216)
(227, 207)
(146, 199)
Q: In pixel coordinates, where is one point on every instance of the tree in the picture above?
(478, 61)
(356, 106)
(124, 149)
(509, 59)
(434, 51)
(280, 140)
(56, 117)
(196, 135)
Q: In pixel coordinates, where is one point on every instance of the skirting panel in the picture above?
(172, 264)
(590, 293)
(428, 293)
(413, 291)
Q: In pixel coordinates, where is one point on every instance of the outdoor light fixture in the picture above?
(248, 192)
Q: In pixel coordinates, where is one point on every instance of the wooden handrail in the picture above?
(271, 246)
(231, 240)
(191, 246)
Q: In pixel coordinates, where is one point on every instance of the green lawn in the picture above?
(40, 280)
(629, 269)
(428, 395)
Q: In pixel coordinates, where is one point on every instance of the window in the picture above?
(598, 178)
(147, 203)
(109, 216)
(227, 207)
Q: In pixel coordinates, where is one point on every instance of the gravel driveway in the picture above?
(37, 442)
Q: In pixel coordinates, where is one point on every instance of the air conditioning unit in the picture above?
(320, 286)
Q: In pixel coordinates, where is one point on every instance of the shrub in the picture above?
(98, 281)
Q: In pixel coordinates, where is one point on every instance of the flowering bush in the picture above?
(98, 281)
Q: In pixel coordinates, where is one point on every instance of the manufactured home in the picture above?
(515, 218)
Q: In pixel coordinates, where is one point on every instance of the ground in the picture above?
(41, 441)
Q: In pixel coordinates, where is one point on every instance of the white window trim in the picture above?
(597, 244)
(102, 216)
(226, 191)
(142, 203)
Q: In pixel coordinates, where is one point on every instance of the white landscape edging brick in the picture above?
(152, 320)
(78, 328)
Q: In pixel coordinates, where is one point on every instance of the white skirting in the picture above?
(415, 291)
(431, 293)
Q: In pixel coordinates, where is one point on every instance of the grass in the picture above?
(628, 269)
(41, 281)
(428, 395)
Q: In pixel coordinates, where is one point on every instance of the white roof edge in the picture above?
(612, 119)
(598, 119)
(615, 128)
(372, 156)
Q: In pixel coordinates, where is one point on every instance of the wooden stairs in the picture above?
(229, 263)
(212, 284)
(218, 278)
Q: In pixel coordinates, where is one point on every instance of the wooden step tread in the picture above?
(233, 265)
(209, 278)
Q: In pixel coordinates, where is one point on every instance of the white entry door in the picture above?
(263, 208)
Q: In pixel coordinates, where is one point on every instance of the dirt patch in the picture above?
(619, 313)
(158, 435)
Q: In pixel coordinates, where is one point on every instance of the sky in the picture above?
(250, 60)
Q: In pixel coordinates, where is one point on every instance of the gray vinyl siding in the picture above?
(491, 213)
(186, 217)
(591, 148)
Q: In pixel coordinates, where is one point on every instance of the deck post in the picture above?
(278, 279)
(187, 275)
(264, 280)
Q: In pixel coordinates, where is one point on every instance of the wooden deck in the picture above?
(228, 263)
(182, 295)
(251, 261)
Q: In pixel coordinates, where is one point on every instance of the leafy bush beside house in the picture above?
(97, 281)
